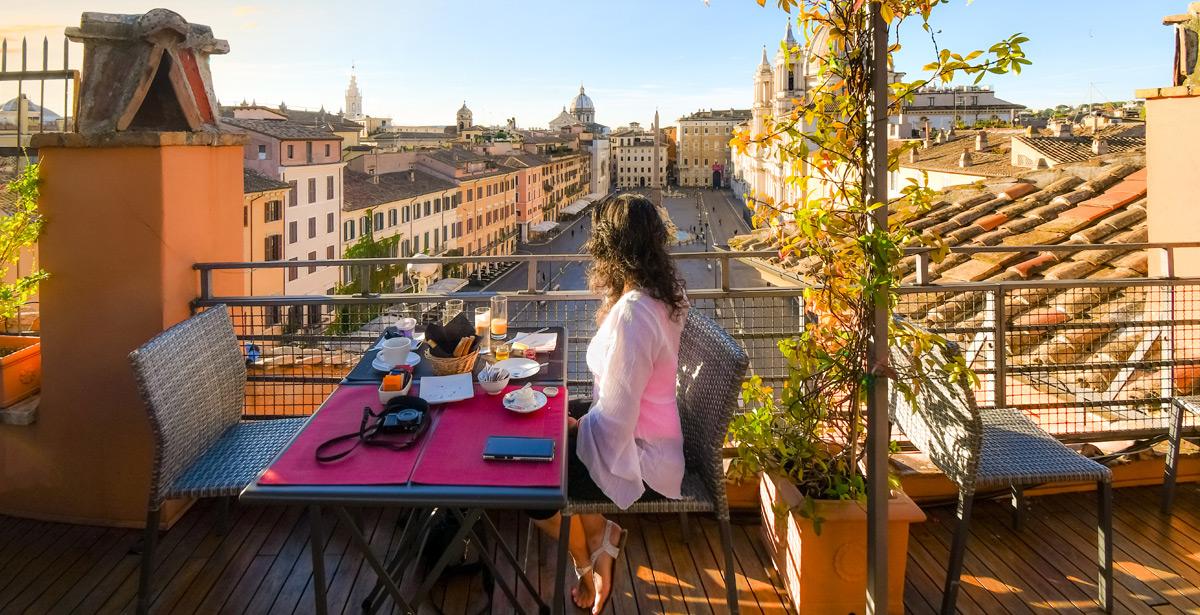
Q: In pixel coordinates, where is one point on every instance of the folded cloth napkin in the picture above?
(443, 340)
(540, 342)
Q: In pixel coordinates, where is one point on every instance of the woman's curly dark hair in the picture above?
(629, 248)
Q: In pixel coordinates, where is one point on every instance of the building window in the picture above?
(308, 152)
(416, 211)
(428, 205)
(262, 152)
(348, 230)
(479, 192)
(364, 225)
(378, 220)
(469, 197)
(330, 222)
(293, 193)
(406, 214)
(272, 211)
(291, 154)
(245, 216)
(312, 256)
(312, 227)
(329, 253)
(326, 150)
(293, 272)
(292, 232)
(426, 241)
(416, 244)
(392, 217)
(312, 190)
(329, 186)
(437, 205)
(272, 247)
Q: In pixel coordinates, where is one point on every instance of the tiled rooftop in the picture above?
(992, 161)
(281, 129)
(362, 192)
(254, 182)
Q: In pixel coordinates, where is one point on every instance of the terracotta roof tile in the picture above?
(990, 222)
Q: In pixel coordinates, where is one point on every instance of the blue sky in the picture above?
(419, 59)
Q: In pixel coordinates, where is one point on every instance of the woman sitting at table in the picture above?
(626, 443)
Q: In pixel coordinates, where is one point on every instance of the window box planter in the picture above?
(20, 368)
(827, 573)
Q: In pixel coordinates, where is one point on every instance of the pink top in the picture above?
(632, 433)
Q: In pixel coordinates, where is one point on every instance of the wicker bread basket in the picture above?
(446, 366)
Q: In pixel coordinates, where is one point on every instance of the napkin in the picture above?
(443, 340)
(540, 342)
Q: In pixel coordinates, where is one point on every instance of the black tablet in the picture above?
(513, 448)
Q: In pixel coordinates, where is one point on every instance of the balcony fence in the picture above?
(1088, 359)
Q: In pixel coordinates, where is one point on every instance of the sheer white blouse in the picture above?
(632, 433)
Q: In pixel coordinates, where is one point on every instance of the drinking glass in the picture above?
(502, 350)
(499, 317)
(483, 319)
(454, 307)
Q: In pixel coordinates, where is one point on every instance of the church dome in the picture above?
(582, 102)
(463, 110)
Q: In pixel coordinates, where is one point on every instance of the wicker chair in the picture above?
(711, 369)
(986, 450)
(202, 448)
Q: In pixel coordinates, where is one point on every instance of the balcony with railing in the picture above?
(1106, 363)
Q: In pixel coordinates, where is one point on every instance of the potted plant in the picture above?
(807, 440)
(20, 225)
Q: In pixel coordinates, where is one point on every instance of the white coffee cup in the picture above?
(394, 355)
(396, 342)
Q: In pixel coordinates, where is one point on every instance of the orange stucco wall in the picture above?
(125, 225)
(1173, 169)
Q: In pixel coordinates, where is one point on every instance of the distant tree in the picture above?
(382, 278)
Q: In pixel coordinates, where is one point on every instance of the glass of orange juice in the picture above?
(499, 317)
(483, 316)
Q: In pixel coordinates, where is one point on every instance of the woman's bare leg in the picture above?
(593, 527)
(584, 594)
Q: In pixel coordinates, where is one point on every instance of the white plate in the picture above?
(445, 389)
(519, 367)
(539, 401)
(413, 359)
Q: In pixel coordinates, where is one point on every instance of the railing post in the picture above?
(922, 268)
(1166, 262)
(531, 282)
(725, 272)
(364, 280)
(999, 352)
(205, 284)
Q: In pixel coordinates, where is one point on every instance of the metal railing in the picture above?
(28, 77)
(1088, 359)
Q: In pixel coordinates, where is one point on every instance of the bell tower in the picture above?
(353, 98)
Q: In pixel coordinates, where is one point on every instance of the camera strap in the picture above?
(368, 435)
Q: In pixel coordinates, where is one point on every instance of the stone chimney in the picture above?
(941, 137)
(912, 155)
(1061, 129)
(146, 73)
(964, 160)
(1030, 131)
(1099, 146)
(1187, 46)
(981, 142)
(412, 176)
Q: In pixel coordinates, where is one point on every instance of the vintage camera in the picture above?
(401, 420)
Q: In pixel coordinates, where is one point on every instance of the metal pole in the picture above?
(877, 398)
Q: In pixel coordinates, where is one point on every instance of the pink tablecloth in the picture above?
(367, 465)
(454, 453)
(450, 452)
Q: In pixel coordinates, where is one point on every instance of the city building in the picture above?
(639, 157)
(348, 130)
(961, 106)
(530, 193)
(417, 205)
(309, 160)
(703, 146)
(263, 229)
(487, 198)
(354, 110)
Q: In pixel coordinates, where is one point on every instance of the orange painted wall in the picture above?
(1172, 167)
(125, 225)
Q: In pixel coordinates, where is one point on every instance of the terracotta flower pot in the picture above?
(20, 370)
(827, 573)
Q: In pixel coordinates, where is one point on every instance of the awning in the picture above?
(543, 227)
(576, 207)
(446, 286)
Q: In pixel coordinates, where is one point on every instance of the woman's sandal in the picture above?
(614, 551)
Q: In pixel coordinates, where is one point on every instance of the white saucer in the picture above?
(539, 401)
(519, 367)
(413, 344)
(413, 359)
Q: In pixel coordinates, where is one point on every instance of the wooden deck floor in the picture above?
(262, 564)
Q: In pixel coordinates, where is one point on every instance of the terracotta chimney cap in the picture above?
(146, 73)
(964, 160)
